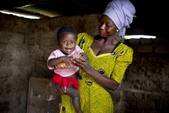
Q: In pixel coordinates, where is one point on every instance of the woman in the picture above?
(107, 61)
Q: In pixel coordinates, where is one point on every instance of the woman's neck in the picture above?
(103, 45)
(111, 41)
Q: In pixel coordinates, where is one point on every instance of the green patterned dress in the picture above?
(94, 98)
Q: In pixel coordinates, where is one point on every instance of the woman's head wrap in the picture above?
(121, 12)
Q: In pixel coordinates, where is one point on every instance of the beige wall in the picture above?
(26, 44)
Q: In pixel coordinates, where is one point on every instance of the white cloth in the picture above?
(121, 12)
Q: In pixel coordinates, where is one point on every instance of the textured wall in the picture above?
(26, 44)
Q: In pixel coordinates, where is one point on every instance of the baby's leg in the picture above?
(74, 94)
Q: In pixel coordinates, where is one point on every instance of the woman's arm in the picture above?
(104, 81)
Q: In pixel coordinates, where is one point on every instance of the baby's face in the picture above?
(67, 43)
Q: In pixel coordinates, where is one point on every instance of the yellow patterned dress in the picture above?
(94, 98)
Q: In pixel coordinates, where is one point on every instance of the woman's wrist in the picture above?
(90, 70)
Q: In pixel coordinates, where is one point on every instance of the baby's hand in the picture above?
(80, 56)
(76, 55)
(83, 57)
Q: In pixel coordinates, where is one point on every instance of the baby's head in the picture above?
(66, 39)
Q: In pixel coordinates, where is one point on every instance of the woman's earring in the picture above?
(117, 30)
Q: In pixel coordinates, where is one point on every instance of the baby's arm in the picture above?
(55, 61)
(59, 62)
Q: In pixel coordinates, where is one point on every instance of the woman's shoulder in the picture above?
(123, 48)
(83, 35)
(84, 38)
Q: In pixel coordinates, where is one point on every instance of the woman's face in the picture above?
(67, 43)
(107, 27)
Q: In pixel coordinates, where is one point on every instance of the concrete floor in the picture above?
(42, 96)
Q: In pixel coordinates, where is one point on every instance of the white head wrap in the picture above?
(121, 12)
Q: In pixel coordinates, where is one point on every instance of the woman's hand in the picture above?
(81, 62)
(67, 60)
